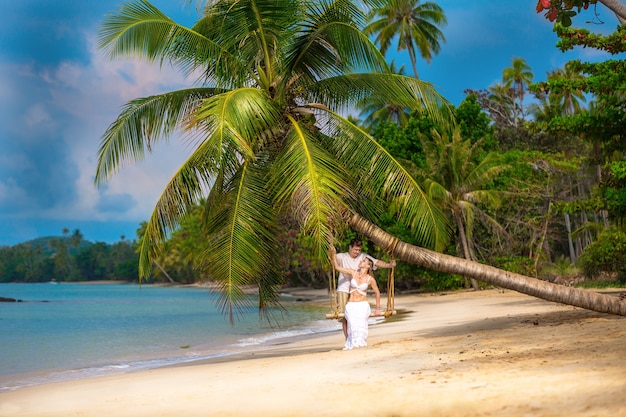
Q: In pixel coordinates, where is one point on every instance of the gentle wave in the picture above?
(241, 346)
(90, 330)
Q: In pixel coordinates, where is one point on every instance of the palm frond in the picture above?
(407, 92)
(242, 240)
(377, 172)
(307, 179)
(331, 42)
(142, 123)
(240, 117)
(228, 123)
(140, 29)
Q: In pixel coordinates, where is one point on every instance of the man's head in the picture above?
(355, 247)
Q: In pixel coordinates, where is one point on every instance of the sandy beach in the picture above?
(487, 353)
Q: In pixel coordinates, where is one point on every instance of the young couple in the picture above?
(355, 278)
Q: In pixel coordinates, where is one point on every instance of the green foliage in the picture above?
(614, 43)
(42, 259)
(474, 123)
(605, 255)
(610, 195)
(517, 264)
(620, 282)
(403, 142)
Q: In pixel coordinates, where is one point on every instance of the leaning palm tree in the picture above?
(264, 114)
(265, 118)
(452, 265)
(415, 25)
(454, 179)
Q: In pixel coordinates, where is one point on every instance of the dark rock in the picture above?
(9, 300)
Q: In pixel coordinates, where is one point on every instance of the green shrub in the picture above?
(606, 255)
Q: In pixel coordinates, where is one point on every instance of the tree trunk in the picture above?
(445, 263)
(570, 242)
(616, 7)
(466, 248)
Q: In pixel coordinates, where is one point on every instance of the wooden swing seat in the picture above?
(338, 315)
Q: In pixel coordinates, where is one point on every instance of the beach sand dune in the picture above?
(487, 353)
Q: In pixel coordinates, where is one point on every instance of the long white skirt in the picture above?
(357, 314)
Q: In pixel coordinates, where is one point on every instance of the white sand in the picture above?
(463, 354)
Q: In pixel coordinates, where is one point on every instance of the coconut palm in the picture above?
(264, 115)
(269, 137)
(452, 178)
(501, 104)
(570, 99)
(375, 111)
(415, 25)
(436, 261)
(518, 76)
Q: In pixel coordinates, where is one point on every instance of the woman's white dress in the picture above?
(357, 315)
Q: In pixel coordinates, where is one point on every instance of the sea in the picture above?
(70, 331)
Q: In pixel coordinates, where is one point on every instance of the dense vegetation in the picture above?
(68, 258)
(532, 178)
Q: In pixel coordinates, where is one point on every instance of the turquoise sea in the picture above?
(71, 331)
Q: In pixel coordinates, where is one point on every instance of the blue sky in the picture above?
(59, 94)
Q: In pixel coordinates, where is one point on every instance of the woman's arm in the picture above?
(377, 293)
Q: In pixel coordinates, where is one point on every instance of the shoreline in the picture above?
(463, 354)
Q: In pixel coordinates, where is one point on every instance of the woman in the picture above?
(358, 309)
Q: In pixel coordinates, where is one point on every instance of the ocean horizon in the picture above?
(71, 331)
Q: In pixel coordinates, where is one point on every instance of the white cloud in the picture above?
(11, 195)
(93, 96)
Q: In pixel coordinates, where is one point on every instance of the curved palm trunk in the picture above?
(445, 263)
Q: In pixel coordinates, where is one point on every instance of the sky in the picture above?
(59, 94)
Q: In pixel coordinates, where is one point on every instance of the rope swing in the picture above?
(332, 290)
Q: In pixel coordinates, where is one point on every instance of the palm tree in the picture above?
(454, 180)
(269, 137)
(376, 111)
(569, 99)
(518, 76)
(415, 25)
(502, 104)
(449, 264)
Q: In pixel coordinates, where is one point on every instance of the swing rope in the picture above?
(390, 311)
(332, 291)
(332, 288)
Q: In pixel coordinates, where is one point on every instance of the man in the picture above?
(351, 260)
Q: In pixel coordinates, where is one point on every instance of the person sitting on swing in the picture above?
(351, 260)
(357, 310)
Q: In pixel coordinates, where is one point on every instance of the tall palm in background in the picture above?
(374, 110)
(416, 26)
(458, 179)
(502, 104)
(264, 115)
(518, 76)
(569, 99)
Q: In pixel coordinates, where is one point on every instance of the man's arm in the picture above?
(382, 264)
